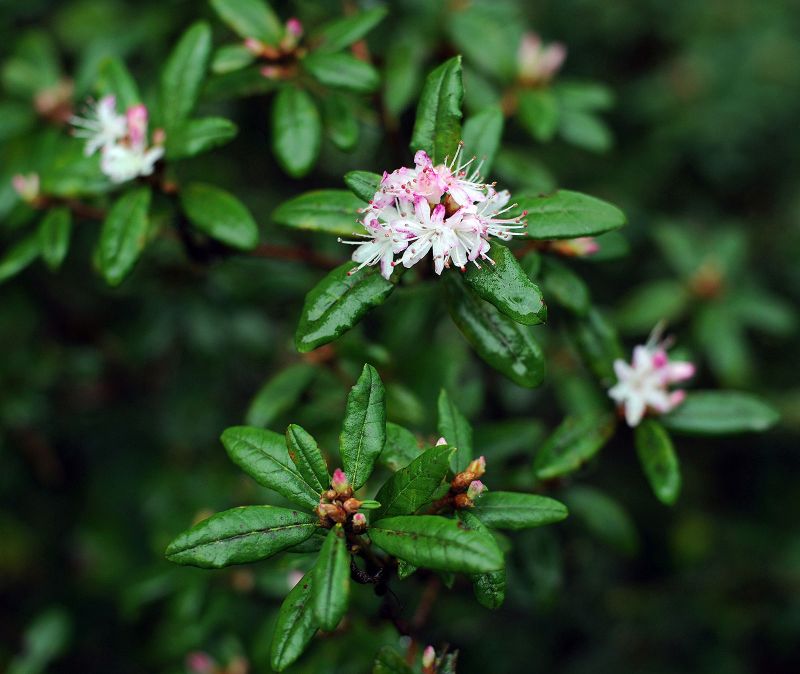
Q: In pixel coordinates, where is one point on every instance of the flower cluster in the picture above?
(465, 487)
(537, 64)
(337, 505)
(445, 209)
(643, 385)
(120, 139)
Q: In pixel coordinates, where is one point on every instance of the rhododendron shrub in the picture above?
(367, 247)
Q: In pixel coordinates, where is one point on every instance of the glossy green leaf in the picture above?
(401, 447)
(231, 57)
(404, 569)
(19, 256)
(337, 303)
(342, 71)
(240, 83)
(389, 661)
(572, 444)
(506, 285)
(510, 510)
(115, 79)
(263, 455)
(604, 518)
(296, 131)
(199, 135)
(250, 18)
(407, 490)
(437, 129)
(482, 135)
(331, 585)
(538, 113)
(339, 120)
(306, 455)
(363, 184)
(720, 413)
(658, 459)
(364, 427)
(454, 427)
(489, 588)
(295, 626)
(503, 343)
(241, 535)
(279, 394)
(183, 75)
(566, 215)
(220, 215)
(123, 235)
(54, 233)
(437, 543)
(329, 211)
(341, 33)
(564, 286)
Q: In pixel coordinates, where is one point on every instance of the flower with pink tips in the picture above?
(339, 482)
(538, 63)
(643, 385)
(475, 489)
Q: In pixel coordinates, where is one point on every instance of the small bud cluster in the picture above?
(466, 487)
(538, 63)
(27, 186)
(429, 660)
(337, 505)
(281, 58)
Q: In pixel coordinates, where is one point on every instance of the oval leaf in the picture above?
(199, 135)
(296, 131)
(572, 444)
(343, 32)
(220, 215)
(331, 585)
(567, 215)
(329, 211)
(454, 427)
(364, 427)
(54, 234)
(437, 543)
(659, 461)
(401, 447)
(337, 303)
(510, 510)
(250, 18)
(342, 71)
(305, 454)
(489, 588)
(241, 535)
(720, 413)
(262, 454)
(19, 256)
(116, 80)
(482, 134)
(279, 394)
(437, 129)
(123, 235)
(363, 184)
(183, 75)
(295, 626)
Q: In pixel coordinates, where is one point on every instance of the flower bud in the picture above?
(441, 441)
(477, 467)
(198, 662)
(26, 186)
(475, 489)
(351, 505)
(340, 483)
(428, 657)
(359, 523)
(462, 501)
(462, 481)
(580, 247)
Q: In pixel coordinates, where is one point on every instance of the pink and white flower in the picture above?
(101, 127)
(26, 186)
(537, 64)
(445, 209)
(643, 385)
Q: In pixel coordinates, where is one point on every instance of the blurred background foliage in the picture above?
(112, 400)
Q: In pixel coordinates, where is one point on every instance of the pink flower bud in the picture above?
(198, 662)
(295, 27)
(441, 441)
(475, 489)
(294, 578)
(580, 247)
(359, 520)
(271, 72)
(428, 657)
(137, 124)
(339, 482)
(26, 186)
(254, 46)
(477, 467)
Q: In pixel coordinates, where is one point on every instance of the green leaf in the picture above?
(658, 459)
(402, 72)
(237, 84)
(604, 518)
(279, 394)
(646, 305)
(306, 455)
(407, 490)
(19, 256)
(123, 235)
(401, 447)
(363, 184)
(506, 285)
(389, 661)
(364, 427)
(482, 134)
(262, 454)
(437, 129)
(437, 543)
(404, 569)
(584, 96)
(342, 71)
(295, 626)
(564, 286)
(489, 588)
(183, 75)
(538, 113)
(116, 80)
(337, 303)
(231, 57)
(454, 427)
(54, 232)
(220, 215)
(329, 211)
(296, 131)
(585, 130)
(567, 215)
(199, 135)
(340, 122)
(241, 535)
(510, 510)
(598, 343)
(343, 32)
(572, 444)
(331, 585)
(250, 18)
(503, 343)
(720, 413)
